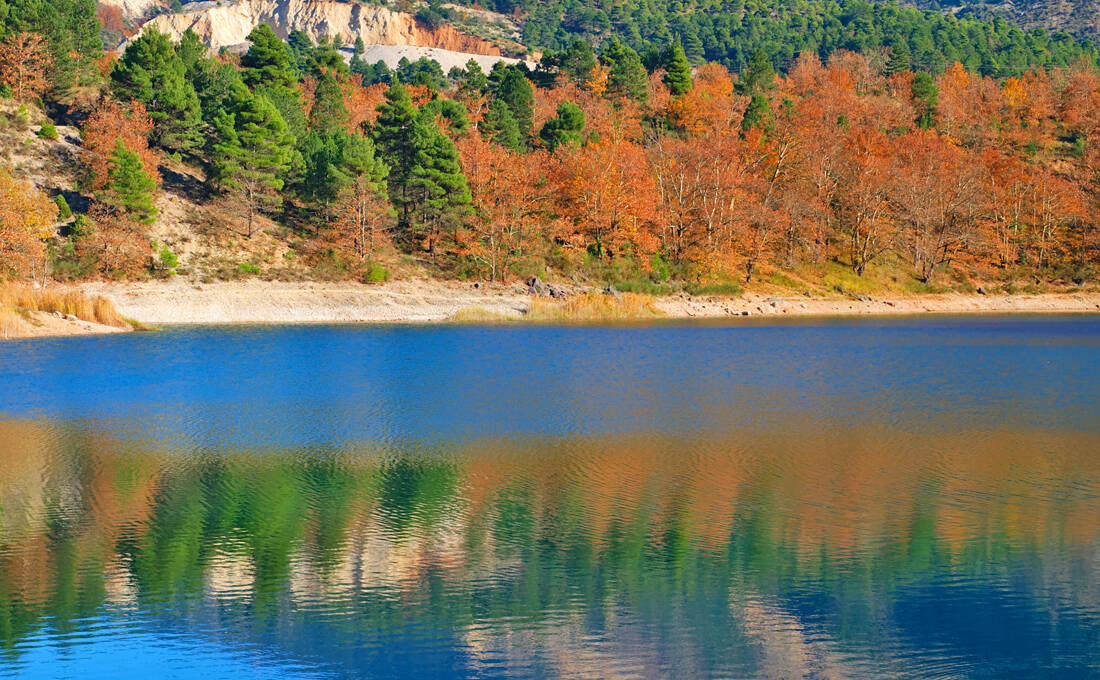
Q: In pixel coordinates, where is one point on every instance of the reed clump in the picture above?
(66, 302)
(478, 314)
(595, 307)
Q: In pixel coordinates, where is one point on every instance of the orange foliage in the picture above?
(109, 122)
(609, 196)
(506, 190)
(26, 219)
(24, 62)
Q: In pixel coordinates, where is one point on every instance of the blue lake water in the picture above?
(900, 498)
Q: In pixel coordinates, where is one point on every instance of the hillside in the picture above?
(1078, 17)
(854, 175)
(227, 24)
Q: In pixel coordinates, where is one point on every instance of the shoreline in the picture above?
(275, 302)
(255, 301)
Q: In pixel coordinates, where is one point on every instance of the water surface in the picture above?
(909, 498)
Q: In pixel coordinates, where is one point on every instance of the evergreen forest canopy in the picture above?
(627, 167)
(729, 32)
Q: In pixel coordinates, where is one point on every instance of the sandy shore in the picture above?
(255, 301)
(46, 325)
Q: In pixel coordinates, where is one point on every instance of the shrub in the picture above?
(376, 273)
(168, 259)
(248, 268)
(64, 212)
(48, 130)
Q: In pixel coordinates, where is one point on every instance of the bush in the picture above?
(376, 273)
(48, 130)
(168, 259)
(64, 212)
(248, 268)
(81, 227)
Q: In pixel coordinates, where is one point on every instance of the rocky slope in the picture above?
(135, 10)
(227, 24)
(1077, 17)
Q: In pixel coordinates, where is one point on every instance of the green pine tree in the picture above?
(129, 188)
(442, 196)
(253, 153)
(152, 73)
(426, 184)
(758, 76)
(270, 69)
(577, 61)
(677, 71)
(329, 112)
(627, 77)
(898, 61)
(268, 62)
(396, 136)
(566, 129)
(500, 126)
(515, 90)
(925, 98)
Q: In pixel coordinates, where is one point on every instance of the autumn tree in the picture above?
(608, 198)
(24, 63)
(508, 205)
(27, 216)
(934, 197)
(108, 123)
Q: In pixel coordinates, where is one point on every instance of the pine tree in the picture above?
(566, 129)
(253, 152)
(472, 80)
(426, 184)
(758, 76)
(442, 196)
(627, 77)
(677, 71)
(268, 62)
(515, 90)
(757, 114)
(899, 58)
(129, 186)
(151, 73)
(328, 113)
(693, 47)
(396, 137)
(269, 69)
(925, 98)
(577, 61)
(500, 126)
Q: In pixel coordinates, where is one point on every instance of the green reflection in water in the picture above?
(713, 551)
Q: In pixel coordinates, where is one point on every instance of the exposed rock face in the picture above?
(229, 24)
(133, 10)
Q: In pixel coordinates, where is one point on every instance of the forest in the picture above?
(645, 170)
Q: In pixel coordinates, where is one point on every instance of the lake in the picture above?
(897, 498)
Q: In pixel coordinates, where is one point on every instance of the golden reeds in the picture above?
(65, 302)
(595, 307)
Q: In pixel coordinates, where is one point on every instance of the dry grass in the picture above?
(478, 314)
(10, 322)
(595, 307)
(50, 300)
